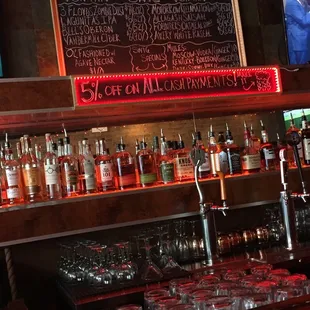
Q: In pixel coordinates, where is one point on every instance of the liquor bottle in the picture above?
(223, 153)
(166, 163)
(184, 169)
(87, 171)
(233, 154)
(146, 165)
(38, 154)
(51, 171)
(267, 154)
(13, 175)
(251, 156)
(305, 137)
(104, 169)
(125, 167)
(97, 148)
(157, 154)
(204, 169)
(69, 171)
(19, 150)
(299, 146)
(214, 151)
(2, 175)
(60, 149)
(31, 173)
(255, 139)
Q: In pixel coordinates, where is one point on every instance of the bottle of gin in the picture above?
(305, 138)
(125, 167)
(146, 165)
(204, 169)
(104, 169)
(51, 171)
(13, 175)
(251, 156)
(31, 173)
(166, 163)
(233, 154)
(267, 153)
(69, 171)
(88, 181)
(184, 169)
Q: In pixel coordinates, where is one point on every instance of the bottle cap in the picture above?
(198, 135)
(66, 140)
(175, 145)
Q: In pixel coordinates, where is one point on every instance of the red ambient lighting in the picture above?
(128, 88)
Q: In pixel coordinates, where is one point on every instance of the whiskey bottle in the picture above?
(97, 148)
(204, 169)
(137, 149)
(255, 139)
(19, 150)
(13, 176)
(31, 173)
(166, 163)
(223, 153)
(184, 169)
(267, 153)
(251, 156)
(38, 154)
(146, 165)
(88, 181)
(157, 154)
(305, 137)
(60, 149)
(299, 146)
(69, 171)
(214, 151)
(233, 154)
(104, 169)
(125, 167)
(51, 171)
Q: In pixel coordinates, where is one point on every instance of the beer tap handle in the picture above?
(198, 158)
(284, 168)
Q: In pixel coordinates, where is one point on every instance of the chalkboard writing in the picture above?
(117, 88)
(103, 36)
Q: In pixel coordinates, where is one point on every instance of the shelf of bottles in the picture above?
(60, 174)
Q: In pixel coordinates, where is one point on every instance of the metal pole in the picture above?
(11, 275)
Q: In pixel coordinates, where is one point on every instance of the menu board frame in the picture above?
(60, 50)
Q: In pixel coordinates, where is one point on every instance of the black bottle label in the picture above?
(234, 162)
(167, 172)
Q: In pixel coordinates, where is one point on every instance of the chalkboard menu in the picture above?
(112, 36)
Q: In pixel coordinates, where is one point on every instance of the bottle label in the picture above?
(71, 175)
(223, 162)
(90, 178)
(269, 154)
(126, 180)
(106, 173)
(13, 193)
(234, 162)
(32, 176)
(148, 178)
(250, 162)
(205, 167)
(306, 143)
(12, 177)
(167, 172)
(184, 168)
(51, 174)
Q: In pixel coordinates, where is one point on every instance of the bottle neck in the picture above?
(265, 137)
(9, 154)
(67, 149)
(304, 124)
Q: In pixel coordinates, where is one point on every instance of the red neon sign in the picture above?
(128, 88)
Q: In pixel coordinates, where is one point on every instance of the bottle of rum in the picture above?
(166, 163)
(214, 151)
(31, 173)
(305, 137)
(104, 169)
(267, 153)
(13, 175)
(146, 165)
(223, 153)
(251, 156)
(184, 169)
(233, 154)
(69, 171)
(204, 169)
(255, 139)
(125, 167)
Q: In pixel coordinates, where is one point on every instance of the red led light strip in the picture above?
(143, 87)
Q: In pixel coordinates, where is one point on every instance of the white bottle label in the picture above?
(90, 178)
(206, 165)
(250, 162)
(306, 143)
(51, 174)
(184, 167)
(106, 172)
(300, 153)
(269, 154)
(12, 177)
(13, 193)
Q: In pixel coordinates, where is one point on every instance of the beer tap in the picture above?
(206, 214)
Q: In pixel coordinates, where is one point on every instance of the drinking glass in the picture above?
(125, 271)
(209, 279)
(224, 287)
(294, 280)
(150, 297)
(103, 276)
(234, 275)
(130, 307)
(254, 301)
(250, 280)
(278, 275)
(165, 303)
(182, 307)
(181, 242)
(261, 270)
(73, 273)
(184, 291)
(221, 303)
(286, 292)
(194, 242)
(173, 285)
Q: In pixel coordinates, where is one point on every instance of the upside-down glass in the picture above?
(255, 300)
(129, 307)
(286, 292)
(165, 303)
(150, 297)
(221, 303)
(173, 285)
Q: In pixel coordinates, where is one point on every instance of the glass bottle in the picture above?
(87, 171)
(204, 169)
(166, 163)
(97, 148)
(69, 171)
(104, 169)
(305, 137)
(223, 153)
(19, 150)
(214, 151)
(299, 146)
(267, 153)
(251, 156)
(233, 154)
(184, 169)
(125, 167)
(31, 173)
(60, 149)
(38, 154)
(157, 153)
(2, 175)
(13, 175)
(146, 165)
(255, 139)
(51, 170)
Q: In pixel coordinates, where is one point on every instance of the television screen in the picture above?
(296, 116)
(297, 21)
